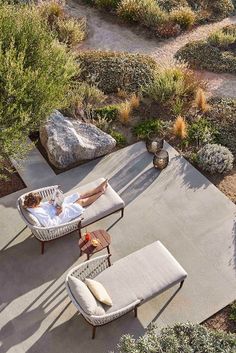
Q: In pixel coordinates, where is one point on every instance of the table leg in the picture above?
(109, 261)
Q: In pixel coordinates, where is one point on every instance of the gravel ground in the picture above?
(107, 32)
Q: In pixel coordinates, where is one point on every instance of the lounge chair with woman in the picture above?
(49, 219)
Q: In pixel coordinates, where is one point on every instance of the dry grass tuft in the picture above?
(201, 101)
(134, 101)
(124, 112)
(180, 127)
(121, 93)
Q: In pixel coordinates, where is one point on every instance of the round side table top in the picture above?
(103, 238)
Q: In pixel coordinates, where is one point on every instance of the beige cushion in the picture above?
(141, 275)
(99, 291)
(108, 203)
(84, 297)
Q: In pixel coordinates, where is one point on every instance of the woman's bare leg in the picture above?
(89, 200)
(98, 189)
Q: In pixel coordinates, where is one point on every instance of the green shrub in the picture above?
(214, 10)
(131, 10)
(230, 29)
(221, 8)
(109, 111)
(146, 12)
(202, 55)
(202, 131)
(35, 73)
(171, 84)
(183, 16)
(51, 11)
(221, 39)
(233, 312)
(114, 71)
(70, 31)
(67, 30)
(180, 338)
(169, 5)
(142, 129)
(107, 4)
(102, 122)
(215, 158)
(119, 137)
(223, 115)
(82, 98)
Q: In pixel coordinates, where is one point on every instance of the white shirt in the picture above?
(46, 213)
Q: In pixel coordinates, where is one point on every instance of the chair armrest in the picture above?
(103, 319)
(60, 226)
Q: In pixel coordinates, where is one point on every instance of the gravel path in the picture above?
(107, 33)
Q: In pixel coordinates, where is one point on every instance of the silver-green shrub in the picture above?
(36, 73)
(181, 338)
(215, 158)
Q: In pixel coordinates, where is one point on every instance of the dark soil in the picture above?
(221, 321)
(13, 181)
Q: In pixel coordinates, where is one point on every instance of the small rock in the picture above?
(68, 141)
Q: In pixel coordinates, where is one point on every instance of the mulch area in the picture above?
(226, 183)
(221, 321)
(12, 183)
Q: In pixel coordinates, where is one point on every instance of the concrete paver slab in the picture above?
(179, 206)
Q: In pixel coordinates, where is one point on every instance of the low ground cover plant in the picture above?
(217, 53)
(143, 129)
(180, 338)
(115, 71)
(166, 18)
(119, 137)
(202, 131)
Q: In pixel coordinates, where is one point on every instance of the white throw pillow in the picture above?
(99, 291)
(84, 297)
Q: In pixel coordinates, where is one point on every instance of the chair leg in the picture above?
(136, 311)
(122, 213)
(79, 231)
(42, 247)
(181, 284)
(94, 332)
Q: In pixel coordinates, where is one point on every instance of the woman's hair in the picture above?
(32, 200)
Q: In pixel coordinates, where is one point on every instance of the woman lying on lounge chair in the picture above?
(72, 207)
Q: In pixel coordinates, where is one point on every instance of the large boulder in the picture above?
(68, 141)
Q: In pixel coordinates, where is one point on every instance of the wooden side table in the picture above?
(104, 240)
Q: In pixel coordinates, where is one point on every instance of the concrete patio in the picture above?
(178, 206)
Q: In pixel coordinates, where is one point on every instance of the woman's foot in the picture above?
(99, 189)
(103, 186)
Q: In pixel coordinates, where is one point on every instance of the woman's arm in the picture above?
(58, 210)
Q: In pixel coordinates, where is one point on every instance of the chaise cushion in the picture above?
(105, 205)
(84, 297)
(141, 275)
